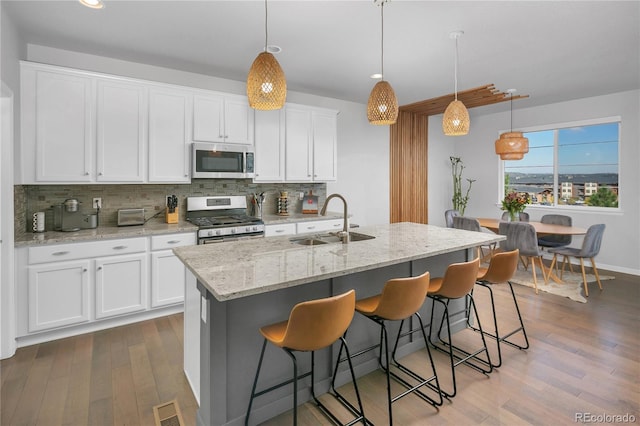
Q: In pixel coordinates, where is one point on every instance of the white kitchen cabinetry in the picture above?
(121, 131)
(167, 271)
(269, 146)
(121, 285)
(222, 118)
(169, 135)
(310, 144)
(279, 229)
(57, 125)
(319, 226)
(58, 295)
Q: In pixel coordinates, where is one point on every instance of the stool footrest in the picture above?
(279, 385)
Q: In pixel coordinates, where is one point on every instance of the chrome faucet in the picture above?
(344, 235)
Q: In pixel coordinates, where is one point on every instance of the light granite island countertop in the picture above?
(238, 287)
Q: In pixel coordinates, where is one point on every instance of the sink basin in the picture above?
(329, 238)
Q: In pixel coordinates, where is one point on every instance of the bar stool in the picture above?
(457, 283)
(401, 298)
(501, 268)
(312, 325)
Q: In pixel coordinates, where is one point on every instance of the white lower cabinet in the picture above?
(70, 288)
(319, 226)
(58, 295)
(121, 285)
(279, 229)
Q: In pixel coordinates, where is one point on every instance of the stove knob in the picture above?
(218, 232)
(248, 229)
(255, 228)
(210, 233)
(233, 230)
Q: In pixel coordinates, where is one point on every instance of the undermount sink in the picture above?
(329, 238)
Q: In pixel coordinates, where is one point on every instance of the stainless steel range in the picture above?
(223, 218)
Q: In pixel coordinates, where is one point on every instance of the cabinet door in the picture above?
(238, 120)
(63, 127)
(208, 118)
(298, 145)
(121, 284)
(121, 132)
(167, 279)
(58, 294)
(169, 135)
(280, 229)
(325, 146)
(269, 146)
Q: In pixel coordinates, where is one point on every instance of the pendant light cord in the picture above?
(455, 72)
(382, 40)
(265, 26)
(511, 103)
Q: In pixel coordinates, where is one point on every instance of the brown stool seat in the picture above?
(401, 298)
(311, 326)
(457, 283)
(501, 269)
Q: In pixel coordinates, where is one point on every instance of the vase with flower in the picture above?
(514, 203)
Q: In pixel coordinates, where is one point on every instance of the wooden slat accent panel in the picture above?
(408, 168)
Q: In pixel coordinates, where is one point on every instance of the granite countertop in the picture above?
(247, 267)
(156, 226)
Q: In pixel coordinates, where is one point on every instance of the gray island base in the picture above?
(247, 284)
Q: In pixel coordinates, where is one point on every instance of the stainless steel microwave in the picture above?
(214, 160)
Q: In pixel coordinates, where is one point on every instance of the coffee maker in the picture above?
(68, 218)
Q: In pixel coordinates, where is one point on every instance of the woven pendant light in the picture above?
(382, 107)
(266, 83)
(512, 145)
(455, 121)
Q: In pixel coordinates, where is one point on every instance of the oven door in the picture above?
(212, 160)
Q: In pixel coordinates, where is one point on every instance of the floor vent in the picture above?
(168, 414)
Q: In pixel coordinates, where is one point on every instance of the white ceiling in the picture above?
(550, 50)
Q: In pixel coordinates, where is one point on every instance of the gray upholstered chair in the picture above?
(522, 216)
(590, 249)
(449, 215)
(554, 240)
(522, 236)
(472, 224)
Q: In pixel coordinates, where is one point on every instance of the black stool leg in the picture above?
(295, 384)
(255, 383)
(338, 395)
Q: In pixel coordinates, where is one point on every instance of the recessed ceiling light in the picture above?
(93, 4)
(272, 48)
(376, 75)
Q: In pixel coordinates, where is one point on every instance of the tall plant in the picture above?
(459, 201)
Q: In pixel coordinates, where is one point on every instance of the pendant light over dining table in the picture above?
(511, 145)
(266, 83)
(382, 107)
(455, 121)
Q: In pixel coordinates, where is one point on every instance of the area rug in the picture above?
(571, 288)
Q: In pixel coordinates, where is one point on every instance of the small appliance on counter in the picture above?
(129, 217)
(283, 204)
(310, 203)
(171, 213)
(67, 217)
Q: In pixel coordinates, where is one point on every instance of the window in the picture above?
(571, 165)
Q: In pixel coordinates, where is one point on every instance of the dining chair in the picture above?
(522, 216)
(472, 224)
(555, 240)
(590, 249)
(522, 236)
(449, 215)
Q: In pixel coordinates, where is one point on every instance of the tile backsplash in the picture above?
(29, 199)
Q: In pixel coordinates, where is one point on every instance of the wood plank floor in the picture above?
(584, 358)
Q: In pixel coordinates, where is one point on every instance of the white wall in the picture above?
(621, 243)
(363, 149)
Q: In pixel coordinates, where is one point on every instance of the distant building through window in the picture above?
(576, 164)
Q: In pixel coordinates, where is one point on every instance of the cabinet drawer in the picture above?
(163, 242)
(319, 226)
(75, 251)
(282, 229)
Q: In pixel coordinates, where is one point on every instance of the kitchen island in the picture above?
(245, 285)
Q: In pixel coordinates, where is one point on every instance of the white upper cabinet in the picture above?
(57, 125)
(222, 118)
(121, 131)
(169, 135)
(310, 144)
(269, 146)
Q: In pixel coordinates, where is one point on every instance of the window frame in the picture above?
(564, 125)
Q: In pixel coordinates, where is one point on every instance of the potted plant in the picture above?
(515, 203)
(459, 201)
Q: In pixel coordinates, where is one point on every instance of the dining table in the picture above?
(493, 224)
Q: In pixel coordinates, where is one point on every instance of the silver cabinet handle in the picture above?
(173, 242)
(84, 269)
(120, 247)
(86, 173)
(336, 225)
(100, 174)
(279, 231)
(99, 268)
(60, 253)
(311, 227)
